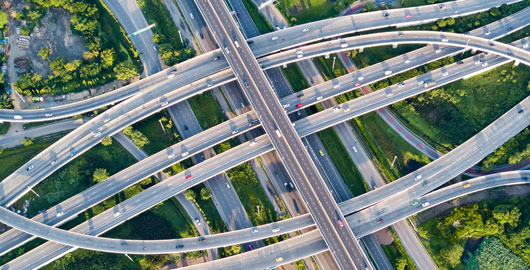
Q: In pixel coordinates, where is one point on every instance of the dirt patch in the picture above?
(384, 236)
(492, 194)
(56, 34)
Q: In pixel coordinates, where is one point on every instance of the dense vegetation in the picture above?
(110, 54)
(505, 220)
(166, 33)
(301, 11)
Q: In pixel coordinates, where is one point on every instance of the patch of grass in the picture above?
(215, 221)
(303, 11)
(325, 65)
(260, 21)
(155, 11)
(342, 161)
(12, 158)
(207, 110)
(295, 77)
(4, 128)
(389, 144)
(159, 139)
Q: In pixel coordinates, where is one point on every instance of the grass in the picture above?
(12, 158)
(215, 221)
(207, 110)
(342, 161)
(325, 65)
(295, 77)
(159, 139)
(260, 21)
(389, 144)
(303, 11)
(4, 128)
(155, 11)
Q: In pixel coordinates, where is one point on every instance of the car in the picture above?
(285, 106)
(442, 6)
(354, 149)
(388, 72)
(238, 14)
(276, 230)
(202, 239)
(185, 154)
(226, 50)
(357, 84)
(117, 213)
(344, 45)
(252, 142)
(460, 62)
(30, 167)
(198, 221)
(408, 16)
(415, 202)
(53, 161)
(300, 95)
(59, 213)
(407, 61)
(250, 247)
(401, 84)
(237, 43)
(484, 63)
(385, 14)
(299, 105)
(73, 153)
(341, 224)
(445, 73)
(360, 78)
(319, 97)
(97, 133)
(164, 103)
(274, 37)
(487, 32)
(188, 177)
(179, 246)
(346, 108)
(520, 110)
(235, 131)
(277, 27)
(467, 185)
(321, 152)
(48, 114)
(201, 35)
(289, 186)
(107, 119)
(217, 58)
(444, 39)
(299, 51)
(154, 47)
(389, 93)
(249, 42)
(171, 155)
(254, 230)
(336, 109)
(424, 183)
(191, 16)
(379, 221)
(425, 204)
(18, 117)
(305, 30)
(279, 259)
(418, 177)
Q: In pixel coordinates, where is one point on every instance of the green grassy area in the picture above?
(397, 254)
(207, 110)
(155, 11)
(388, 144)
(303, 11)
(159, 138)
(215, 221)
(294, 76)
(325, 65)
(251, 194)
(12, 158)
(342, 161)
(4, 128)
(260, 21)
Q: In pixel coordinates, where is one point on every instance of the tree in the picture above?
(493, 255)
(159, 38)
(125, 70)
(44, 52)
(507, 214)
(1, 150)
(33, 15)
(3, 19)
(190, 195)
(106, 141)
(107, 58)
(27, 141)
(452, 255)
(100, 174)
(206, 193)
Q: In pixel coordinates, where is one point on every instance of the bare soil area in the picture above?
(384, 236)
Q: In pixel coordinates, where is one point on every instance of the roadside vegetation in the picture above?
(302, 11)
(261, 23)
(12, 158)
(109, 56)
(207, 110)
(468, 236)
(159, 131)
(397, 254)
(294, 76)
(165, 33)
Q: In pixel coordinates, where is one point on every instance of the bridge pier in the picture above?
(473, 51)
(361, 49)
(326, 56)
(516, 63)
(394, 45)
(284, 66)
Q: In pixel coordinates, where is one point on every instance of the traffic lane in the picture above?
(413, 246)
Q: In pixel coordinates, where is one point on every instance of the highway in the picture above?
(305, 176)
(365, 104)
(338, 26)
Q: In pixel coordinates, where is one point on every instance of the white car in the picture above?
(300, 56)
(252, 142)
(237, 43)
(417, 177)
(191, 16)
(60, 213)
(319, 97)
(425, 204)
(336, 109)
(274, 37)
(388, 72)
(185, 154)
(171, 155)
(285, 106)
(97, 133)
(276, 230)
(401, 84)
(299, 51)
(116, 214)
(354, 149)
(305, 30)
(445, 73)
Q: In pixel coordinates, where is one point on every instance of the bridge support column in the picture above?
(284, 66)
(361, 50)
(326, 56)
(394, 45)
(516, 63)
(473, 51)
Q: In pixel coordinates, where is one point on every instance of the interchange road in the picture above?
(304, 129)
(263, 45)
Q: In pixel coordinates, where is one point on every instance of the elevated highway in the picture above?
(263, 45)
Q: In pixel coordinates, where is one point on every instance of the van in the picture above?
(278, 133)
(18, 117)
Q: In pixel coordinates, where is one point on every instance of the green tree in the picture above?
(452, 255)
(159, 38)
(27, 141)
(493, 255)
(106, 141)
(1, 150)
(206, 193)
(125, 70)
(33, 15)
(44, 52)
(100, 174)
(3, 19)
(507, 214)
(190, 195)
(107, 58)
